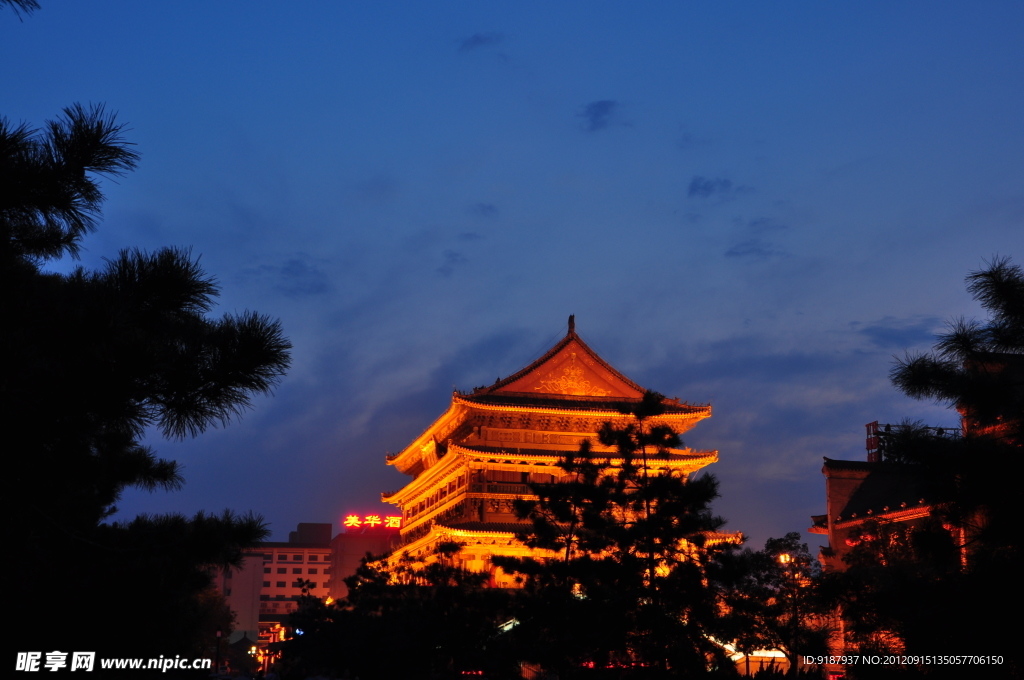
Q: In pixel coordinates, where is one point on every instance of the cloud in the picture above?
(295, 278)
(702, 187)
(688, 141)
(598, 114)
(378, 189)
(893, 334)
(706, 187)
(484, 209)
(754, 245)
(761, 225)
(452, 259)
(754, 248)
(478, 40)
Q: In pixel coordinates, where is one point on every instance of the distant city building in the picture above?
(267, 586)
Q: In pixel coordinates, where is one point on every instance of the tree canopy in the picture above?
(95, 361)
(945, 582)
(626, 584)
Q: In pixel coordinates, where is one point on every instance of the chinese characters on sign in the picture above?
(30, 661)
(373, 521)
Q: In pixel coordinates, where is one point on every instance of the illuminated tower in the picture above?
(474, 461)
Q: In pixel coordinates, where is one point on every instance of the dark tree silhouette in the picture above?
(771, 600)
(946, 583)
(95, 359)
(627, 580)
(19, 6)
(412, 618)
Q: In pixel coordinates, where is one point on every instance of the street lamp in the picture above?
(786, 560)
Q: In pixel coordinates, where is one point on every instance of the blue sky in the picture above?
(752, 204)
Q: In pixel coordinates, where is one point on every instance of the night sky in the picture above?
(750, 204)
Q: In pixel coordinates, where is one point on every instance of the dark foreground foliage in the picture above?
(95, 359)
(947, 587)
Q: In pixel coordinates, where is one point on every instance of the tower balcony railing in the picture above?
(500, 487)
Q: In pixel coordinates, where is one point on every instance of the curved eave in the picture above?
(405, 459)
(693, 413)
(901, 515)
(687, 459)
(447, 465)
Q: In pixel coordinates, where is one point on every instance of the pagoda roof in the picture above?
(570, 369)
(569, 378)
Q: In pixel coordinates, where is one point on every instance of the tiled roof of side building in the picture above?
(887, 487)
(833, 464)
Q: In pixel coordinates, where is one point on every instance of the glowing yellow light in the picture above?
(785, 558)
(393, 522)
(353, 521)
(372, 520)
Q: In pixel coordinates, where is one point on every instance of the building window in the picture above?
(296, 558)
(265, 597)
(282, 558)
(313, 558)
(279, 597)
(281, 584)
(266, 570)
(297, 570)
(266, 584)
(327, 571)
(282, 570)
(312, 571)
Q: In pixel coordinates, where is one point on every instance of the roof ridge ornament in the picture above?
(572, 324)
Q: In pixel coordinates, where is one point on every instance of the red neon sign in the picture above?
(372, 521)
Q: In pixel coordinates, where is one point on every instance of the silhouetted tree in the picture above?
(771, 600)
(414, 618)
(626, 583)
(946, 583)
(94, 360)
(19, 6)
